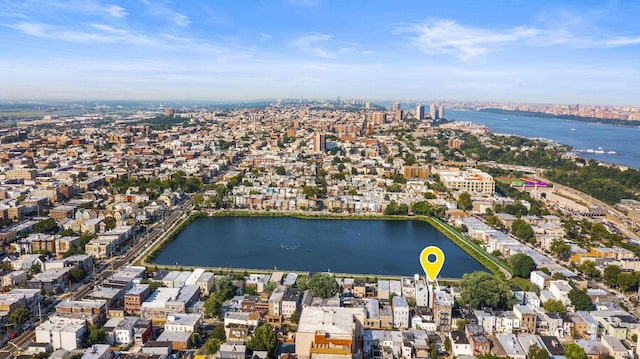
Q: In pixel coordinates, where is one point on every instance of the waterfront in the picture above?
(377, 247)
(577, 134)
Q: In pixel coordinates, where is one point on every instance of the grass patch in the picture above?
(523, 283)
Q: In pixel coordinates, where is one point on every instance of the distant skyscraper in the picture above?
(320, 143)
(395, 107)
(398, 115)
(420, 112)
(433, 111)
(378, 118)
(169, 111)
(441, 111)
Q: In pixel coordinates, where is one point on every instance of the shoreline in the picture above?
(576, 118)
(490, 263)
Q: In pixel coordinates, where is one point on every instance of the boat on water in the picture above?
(612, 152)
(599, 151)
(573, 129)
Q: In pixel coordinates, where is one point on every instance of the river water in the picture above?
(624, 140)
(384, 247)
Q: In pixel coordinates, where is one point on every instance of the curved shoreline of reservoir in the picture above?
(483, 258)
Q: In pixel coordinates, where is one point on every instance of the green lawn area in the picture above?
(523, 283)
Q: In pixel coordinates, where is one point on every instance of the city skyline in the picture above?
(548, 52)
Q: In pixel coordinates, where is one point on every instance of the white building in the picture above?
(560, 290)
(400, 313)
(539, 278)
(123, 334)
(471, 180)
(182, 322)
(98, 351)
(61, 333)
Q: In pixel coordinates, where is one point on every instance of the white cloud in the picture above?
(116, 11)
(622, 41)
(467, 42)
(84, 6)
(308, 44)
(92, 34)
(158, 9)
(265, 37)
(447, 36)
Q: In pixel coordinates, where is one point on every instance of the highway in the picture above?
(109, 267)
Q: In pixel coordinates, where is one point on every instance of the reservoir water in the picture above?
(385, 247)
(580, 135)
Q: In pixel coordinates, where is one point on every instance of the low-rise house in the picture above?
(400, 312)
(553, 346)
(61, 333)
(98, 351)
(508, 345)
(15, 278)
(460, 344)
(614, 347)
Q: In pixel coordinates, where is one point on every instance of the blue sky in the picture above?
(584, 52)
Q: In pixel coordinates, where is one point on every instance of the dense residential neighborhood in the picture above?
(86, 203)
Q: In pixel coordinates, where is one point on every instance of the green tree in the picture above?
(295, 316)
(269, 287)
(554, 306)
(250, 290)
(580, 300)
(394, 209)
(76, 274)
(218, 333)
(73, 251)
(447, 344)
(464, 201)
(19, 316)
(212, 345)
(398, 178)
(461, 324)
(95, 335)
(560, 249)
(323, 285)
(198, 200)
(574, 351)
(627, 281)
(589, 269)
(535, 352)
(49, 226)
(302, 283)
(35, 268)
(264, 338)
(224, 291)
(110, 223)
(482, 289)
(280, 170)
(610, 274)
(522, 230)
(522, 265)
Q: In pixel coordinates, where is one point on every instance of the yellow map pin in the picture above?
(432, 268)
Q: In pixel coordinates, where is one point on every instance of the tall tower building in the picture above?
(433, 111)
(378, 118)
(398, 115)
(395, 107)
(420, 112)
(320, 143)
(441, 111)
